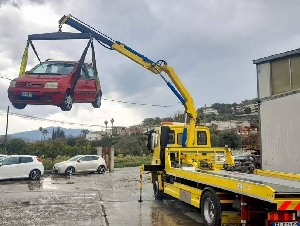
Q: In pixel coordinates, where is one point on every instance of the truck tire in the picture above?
(211, 209)
(158, 194)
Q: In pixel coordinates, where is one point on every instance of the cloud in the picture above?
(210, 44)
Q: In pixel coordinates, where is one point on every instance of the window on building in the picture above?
(285, 75)
(295, 71)
(280, 76)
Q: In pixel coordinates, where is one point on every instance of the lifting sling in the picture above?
(62, 36)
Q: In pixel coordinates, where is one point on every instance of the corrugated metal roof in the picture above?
(277, 56)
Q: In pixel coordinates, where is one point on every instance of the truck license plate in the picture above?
(26, 94)
(292, 223)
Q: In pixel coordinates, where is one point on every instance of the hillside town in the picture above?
(243, 128)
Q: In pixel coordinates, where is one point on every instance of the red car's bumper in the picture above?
(38, 97)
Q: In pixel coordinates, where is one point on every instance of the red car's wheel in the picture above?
(97, 102)
(19, 106)
(67, 102)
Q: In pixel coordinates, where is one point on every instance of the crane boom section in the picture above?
(180, 91)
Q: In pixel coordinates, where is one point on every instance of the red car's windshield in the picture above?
(52, 68)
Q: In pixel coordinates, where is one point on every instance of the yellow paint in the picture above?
(66, 18)
(195, 200)
(24, 61)
(256, 190)
(171, 190)
(280, 175)
(231, 218)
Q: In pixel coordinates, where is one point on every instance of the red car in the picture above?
(50, 82)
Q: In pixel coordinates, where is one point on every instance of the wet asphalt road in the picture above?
(90, 199)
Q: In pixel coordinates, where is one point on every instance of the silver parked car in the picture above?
(79, 164)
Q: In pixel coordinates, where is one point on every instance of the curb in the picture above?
(47, 171)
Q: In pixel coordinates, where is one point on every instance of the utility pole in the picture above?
(204, 116)
(5, 141)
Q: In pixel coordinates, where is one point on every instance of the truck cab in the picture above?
(170, 134)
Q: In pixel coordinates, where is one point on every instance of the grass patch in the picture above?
(120, 161)
(131, 161)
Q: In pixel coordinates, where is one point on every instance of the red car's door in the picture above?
(81, 88)
(92, 90)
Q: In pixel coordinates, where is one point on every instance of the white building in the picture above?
(232, 124)
(210, 111)
(253, 107)
(94, 136)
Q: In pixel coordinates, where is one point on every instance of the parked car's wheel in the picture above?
(19, 106)
(67, 102)
(97, 102)
(101, 169)
(35, 174)
(70, 170)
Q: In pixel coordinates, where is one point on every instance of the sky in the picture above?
(210, 45)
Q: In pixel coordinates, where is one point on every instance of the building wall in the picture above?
(280, 129)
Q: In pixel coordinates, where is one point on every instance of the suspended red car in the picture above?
(58, 83)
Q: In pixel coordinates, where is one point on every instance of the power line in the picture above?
(124, 102)
(51, 120)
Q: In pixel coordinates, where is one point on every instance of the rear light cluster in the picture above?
(282, 216)
(37, 158)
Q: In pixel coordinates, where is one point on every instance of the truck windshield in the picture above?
(52, 68)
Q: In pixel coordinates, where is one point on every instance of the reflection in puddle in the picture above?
(34, 185)
(47, 184)
(161, 216)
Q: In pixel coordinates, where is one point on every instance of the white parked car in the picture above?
(21, 166)
(79, 164)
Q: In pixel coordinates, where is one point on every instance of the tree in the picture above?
(112, 125)
(230, 138)
(84, 132)
(45, 133)
(58, 134)
(105, 122)
(16, 146)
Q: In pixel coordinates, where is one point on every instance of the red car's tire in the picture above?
(19, 106)
(67, 102)
(97, 102)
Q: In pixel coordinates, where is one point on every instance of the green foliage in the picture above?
(58, 134)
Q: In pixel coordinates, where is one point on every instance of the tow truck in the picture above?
(186, 167)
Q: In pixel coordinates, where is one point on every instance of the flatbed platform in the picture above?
(281, 186)
(262, 187)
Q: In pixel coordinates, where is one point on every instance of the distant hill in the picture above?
(34, 135)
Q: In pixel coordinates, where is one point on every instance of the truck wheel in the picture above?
(210, 209)
(158, 194)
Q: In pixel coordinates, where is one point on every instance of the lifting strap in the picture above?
(79, 66)
(24, 61)
(35, 52)
(25, 58)
(95, 68)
